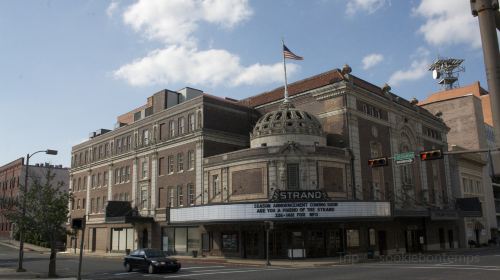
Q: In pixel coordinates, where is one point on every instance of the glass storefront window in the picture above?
(352, 237)
(230, 242)
(371, 235)
(193, 241)
(181, 240)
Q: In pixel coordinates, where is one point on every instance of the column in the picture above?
(110, 182)
(87, 202)
(153, 187)
(199, 173)
(134, 182)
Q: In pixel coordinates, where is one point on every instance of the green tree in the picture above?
(46, 213)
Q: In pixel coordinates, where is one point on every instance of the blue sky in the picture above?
(70, 67)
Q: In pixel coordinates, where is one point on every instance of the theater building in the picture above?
(216, 175)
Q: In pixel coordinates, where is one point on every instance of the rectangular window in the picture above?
(215, 185)
(180, 196)
(91, 210)
(105, 178)
(129, 142)
(104, 202)
(170, 197)
(144, 169)
(180, 122)
(171, 127)
(117, 176)
(292, 171)
(84, 203)
(190, 160)
(144, 199)
(170, 160)
(180, 162)
(191, 122)
(126, 173)
(352, 236)
(78, 204)
(162, 131)
(92, 182)
(161, 165)
(98, 179)
(191, 194)
(98, 206)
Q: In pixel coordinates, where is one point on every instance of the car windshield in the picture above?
(155, 253)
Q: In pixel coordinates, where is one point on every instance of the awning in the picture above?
(122, 212)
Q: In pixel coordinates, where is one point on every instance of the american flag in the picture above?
(289, 54)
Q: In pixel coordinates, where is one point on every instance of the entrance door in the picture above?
(251, 244)
(382, 242)
(334, 243)
(316, 243)
(414, 241)
(450, 239)
(94, 235)
(442, 240)
(277, 239)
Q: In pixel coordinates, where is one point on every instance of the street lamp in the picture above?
(25, 189)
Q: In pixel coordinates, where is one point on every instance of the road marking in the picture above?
(211, 270)
(220, 272)
(197, 267)
(441, 267)
(470, 265)
(125, 273)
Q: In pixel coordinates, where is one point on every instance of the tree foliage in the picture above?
(46, 212)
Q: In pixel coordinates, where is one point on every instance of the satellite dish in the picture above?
(436, 74)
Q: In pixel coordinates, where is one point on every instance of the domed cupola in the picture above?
(287, 124)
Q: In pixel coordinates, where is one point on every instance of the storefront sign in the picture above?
(442, 215)
(269, 211)
(312, 195)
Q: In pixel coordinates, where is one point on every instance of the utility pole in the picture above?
(489, 21)
(79, 276)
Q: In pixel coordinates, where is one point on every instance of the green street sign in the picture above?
(404, 158)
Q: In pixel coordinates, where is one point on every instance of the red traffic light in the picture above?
(376, 162)
(431, 155)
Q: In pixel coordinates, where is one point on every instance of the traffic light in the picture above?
(431, 155)
(376, 162)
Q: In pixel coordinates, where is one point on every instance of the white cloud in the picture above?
(371, 60)
(448, 22)
(174, 22)
(368, 6)
(113, 6)
(417, 70)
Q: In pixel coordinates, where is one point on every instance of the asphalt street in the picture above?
(475, 264)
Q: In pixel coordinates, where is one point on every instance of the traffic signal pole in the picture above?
(488, 15)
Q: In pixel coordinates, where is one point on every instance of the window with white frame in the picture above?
(191, 123)
(144, 168)
(191, 194)
(180, 196)
(180, 162)
(181, 124)
(191, 160)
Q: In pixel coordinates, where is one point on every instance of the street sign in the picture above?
(404, 158)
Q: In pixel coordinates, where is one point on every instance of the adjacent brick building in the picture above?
(11, 179)
(467, 111)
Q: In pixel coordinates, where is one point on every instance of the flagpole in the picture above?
(284, 68)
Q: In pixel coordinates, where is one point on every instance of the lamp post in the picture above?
(25, 189)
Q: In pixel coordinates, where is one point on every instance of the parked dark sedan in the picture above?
(152, 260)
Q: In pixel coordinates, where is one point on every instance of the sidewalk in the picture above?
(27, 246)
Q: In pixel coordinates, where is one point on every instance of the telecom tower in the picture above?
(446, 70)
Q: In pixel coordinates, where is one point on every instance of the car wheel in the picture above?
(175, 270)
(128, 267)
(151, 269)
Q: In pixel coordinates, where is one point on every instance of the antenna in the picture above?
(447, 70)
